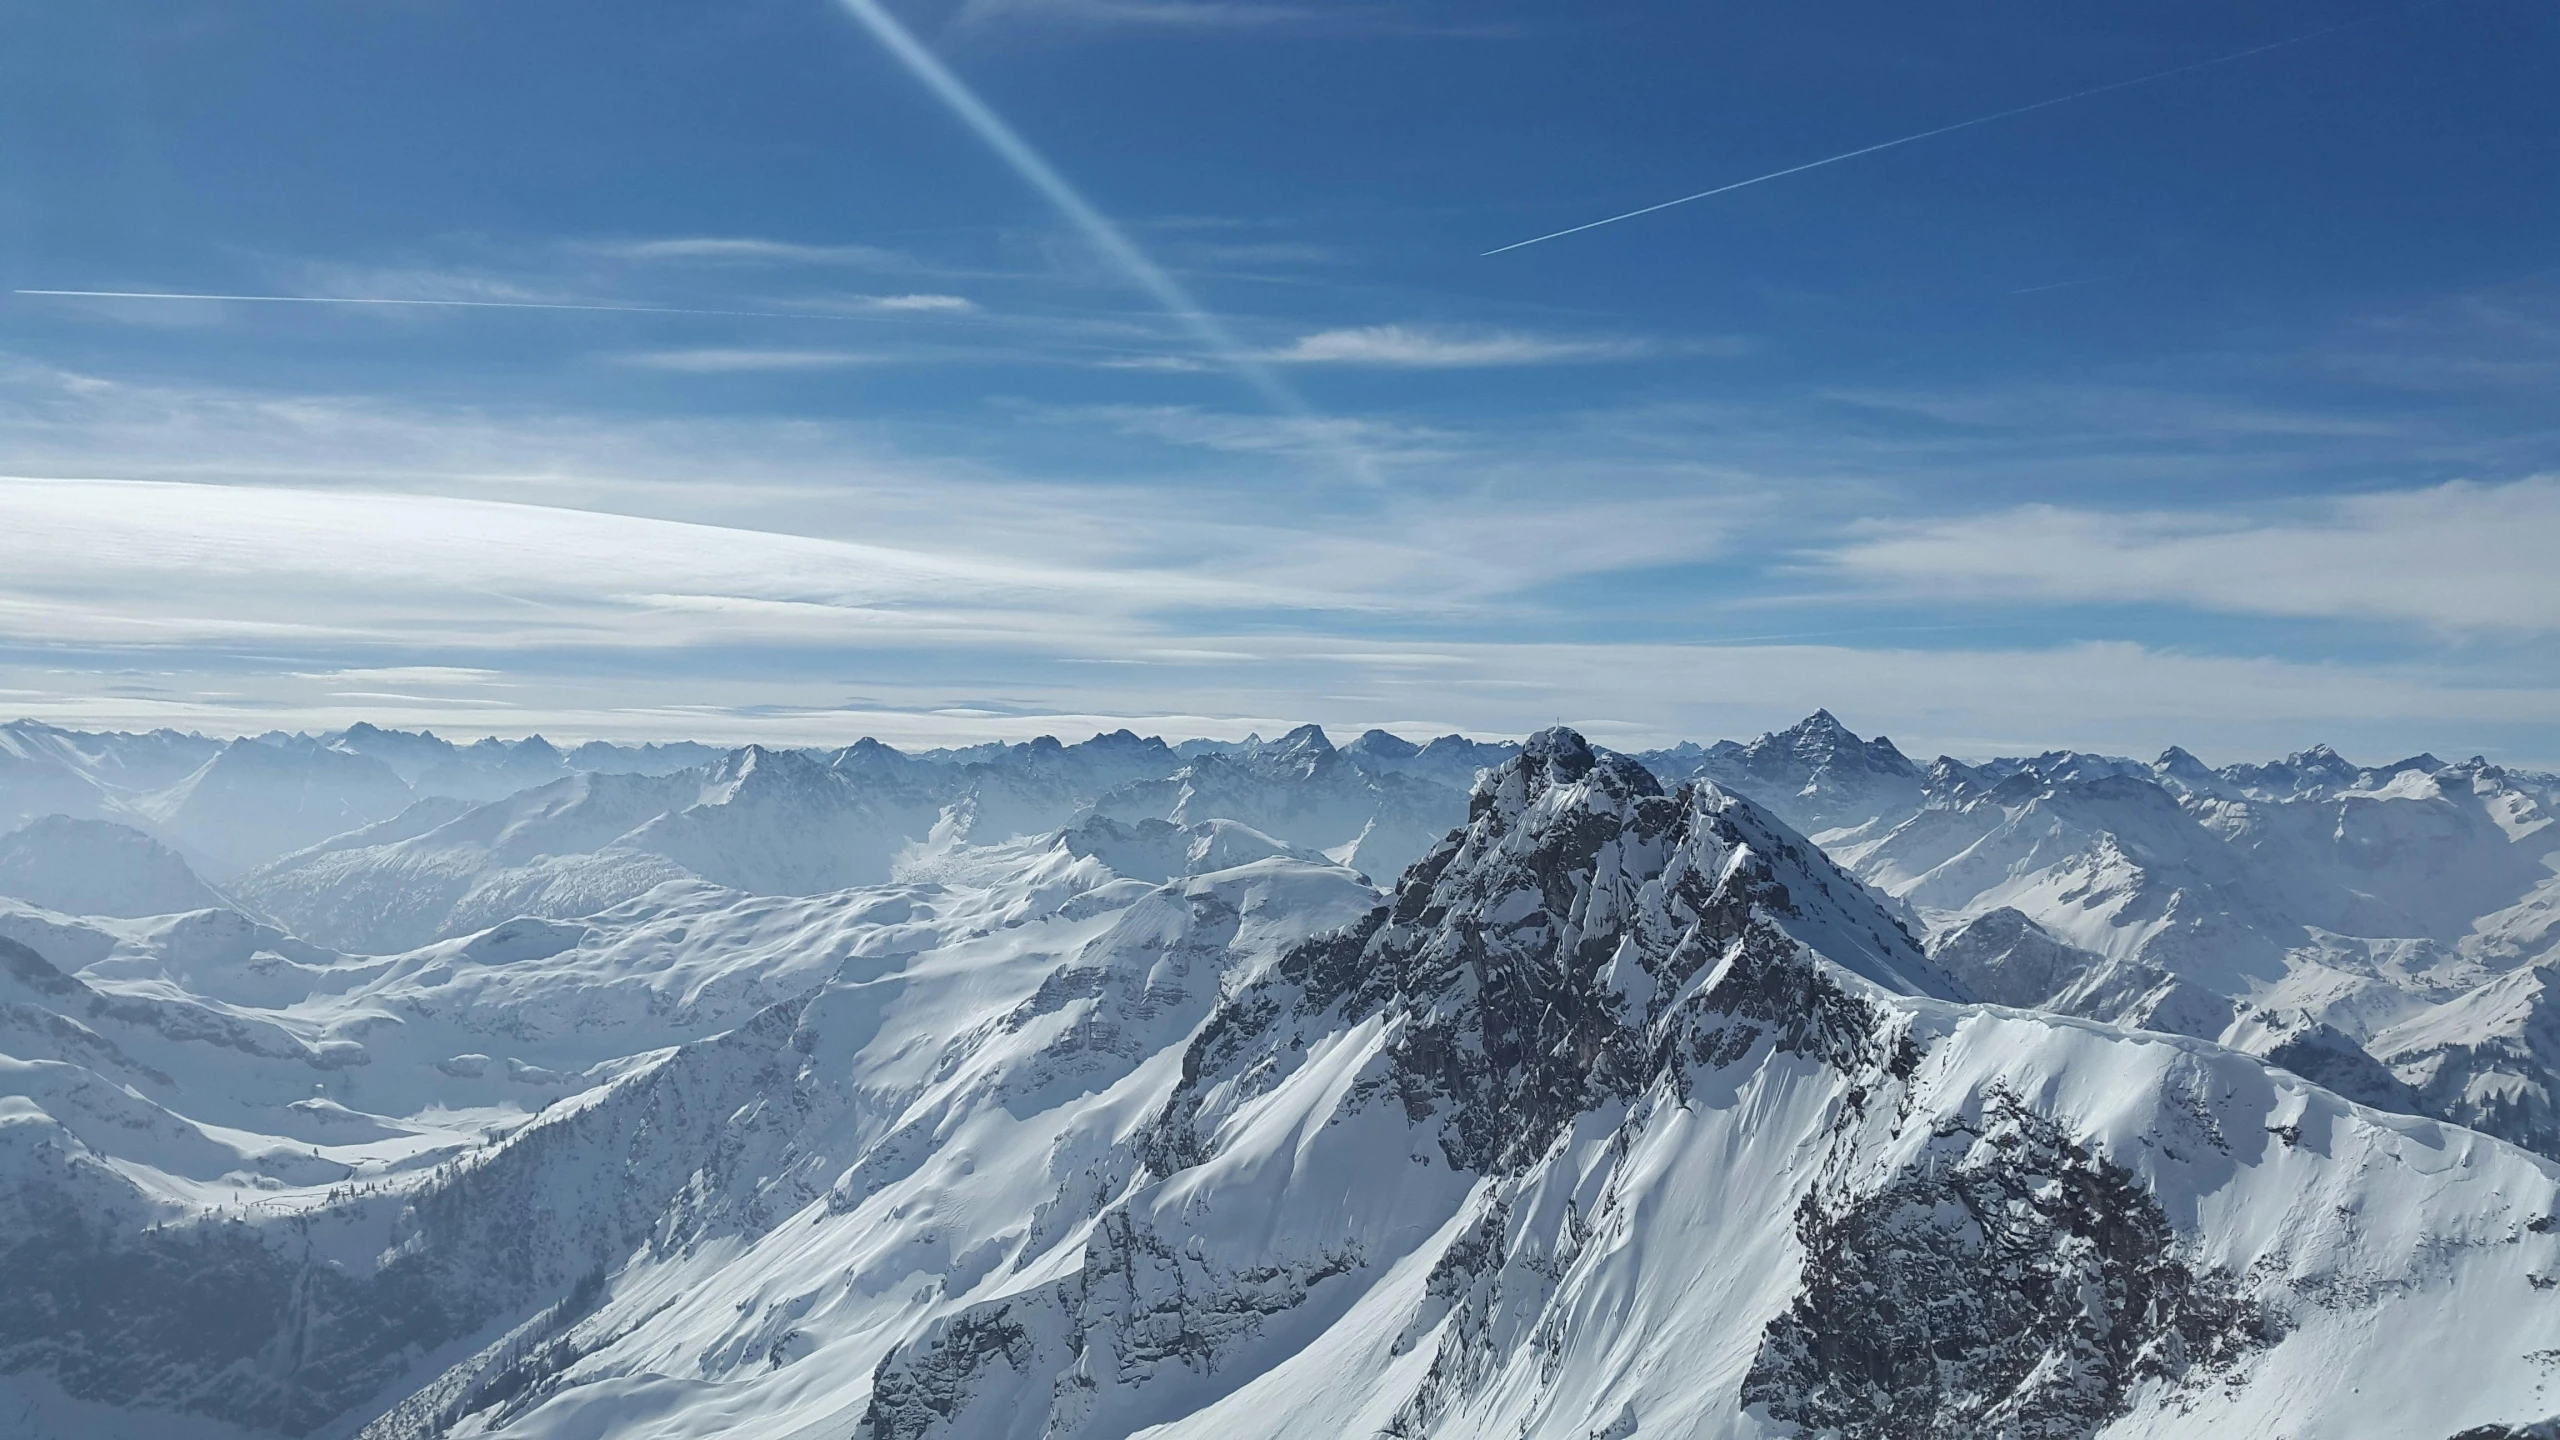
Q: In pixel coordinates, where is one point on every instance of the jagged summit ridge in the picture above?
(1531, 959)
(1590, 979)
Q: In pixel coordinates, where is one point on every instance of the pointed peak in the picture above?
(1821, 729)
(1309, 738)
(1820, 725)
(763, 764)
(744, 760)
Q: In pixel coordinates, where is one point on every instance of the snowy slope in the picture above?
(45, 770)
(446, 866)
(97, 867)
(2488, 1058)
(1625, 1114)
(1300, 790)
(254, 799)
(2004, 958)
(2298, 909)
(1816, 775)
(792, 823)
(770, 822)
(1449, 760)
(2113, 865)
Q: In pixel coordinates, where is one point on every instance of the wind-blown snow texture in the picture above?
(1085, 1090)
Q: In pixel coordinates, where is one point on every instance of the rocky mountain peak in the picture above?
(753, 768)
(1305, 740)
(1530, 959)
(1379, 744)
(1820, 740)
(2183, 772)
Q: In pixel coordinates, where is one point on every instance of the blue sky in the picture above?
(2216, 410)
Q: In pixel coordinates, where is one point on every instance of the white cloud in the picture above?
(1412, 347)
(1293, 435)
(742, 249)
(158, 564)
(724, 362)
(2129, 412)
(2459, 556)
(934, 304)
(917, 304)
(720, 577)
(415, 282)
(2118, 697)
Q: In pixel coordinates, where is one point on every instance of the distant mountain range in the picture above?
(370, 1085)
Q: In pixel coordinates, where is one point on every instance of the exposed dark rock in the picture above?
(919, 1385)
(2008, 1282)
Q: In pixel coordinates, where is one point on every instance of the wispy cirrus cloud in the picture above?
(2494, 342)
(2459, 556)
(923, 304)
(1290, 435)
(704, 575)
(1162, 364)
(2123, 412)
(731, 362)
(1414, 347)
(420, 282)
(915, 304)
(747, 250)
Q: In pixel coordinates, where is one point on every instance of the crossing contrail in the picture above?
(457, 304)
(1948, 129)
(1098, 228)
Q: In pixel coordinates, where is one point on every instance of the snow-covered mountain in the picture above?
(1815, 775)
(255, 798)
(97, 867)
(1623, 1113)
(763, 821)
(1451, 760)
(1301, 790)
(2383, 928)
(231, 805)
(776, 822)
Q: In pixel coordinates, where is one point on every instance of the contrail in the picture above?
(1944, 129)
(1098, 228)
(458, 304)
